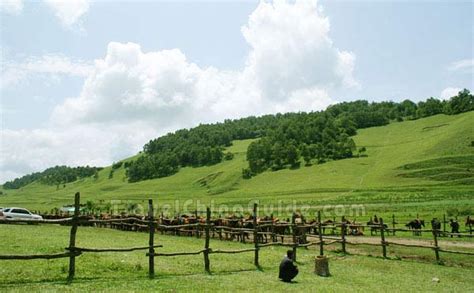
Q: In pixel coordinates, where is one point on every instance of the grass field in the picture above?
(423, 167)
(127, 272)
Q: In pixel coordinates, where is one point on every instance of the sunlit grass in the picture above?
(120, 272)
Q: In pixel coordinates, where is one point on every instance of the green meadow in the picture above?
(128, 272)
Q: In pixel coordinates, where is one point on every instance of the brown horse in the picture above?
(416, 225)
(280, 228)
(469, 222)
(354, 229)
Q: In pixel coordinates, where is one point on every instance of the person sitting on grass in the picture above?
(287, 268)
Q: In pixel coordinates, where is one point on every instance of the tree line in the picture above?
(283, 139)
(53, 176)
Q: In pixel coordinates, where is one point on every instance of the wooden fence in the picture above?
(299, 235)
(393, 223)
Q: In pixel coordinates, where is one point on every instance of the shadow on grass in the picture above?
(99, 279)
(290, 282)
(56, 281)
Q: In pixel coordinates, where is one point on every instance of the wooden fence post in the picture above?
(469, 222)
(303, 238)
(393, 223)
(436, 247)
(255, 234)
(151, 250)
(162, 230)
(444, 224)
(273, 229)
(343, 235)
(295, 241)
(197, 222)
(72, 238)
(382, 237)
(206, 244)
(320, 229)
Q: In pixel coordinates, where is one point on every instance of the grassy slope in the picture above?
(127, 272)
(372, 180)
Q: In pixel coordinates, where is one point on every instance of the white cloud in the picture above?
(310, 98)
(131, 96)
(25, 151)
(13, 7)
(449, 92)
(291, 50)
(13, 72)
(461, 65)
(69, 12)
(162, 88)
(291, 53)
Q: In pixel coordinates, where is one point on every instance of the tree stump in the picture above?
(321, 266)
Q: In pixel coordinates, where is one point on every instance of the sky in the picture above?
(90, 82)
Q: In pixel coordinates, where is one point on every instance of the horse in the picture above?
(266, 229)
(354, 229)
(416, 225)
(231, 222)
(246, 223)
(301, 231)
(189, 231)
(280, 228)
(169, 222)
(469, 222)
(326, 223)
(375, 227)
(436, 226)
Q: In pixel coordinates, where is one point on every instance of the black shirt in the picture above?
(287, 269)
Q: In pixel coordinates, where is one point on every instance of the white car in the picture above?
(20, 214)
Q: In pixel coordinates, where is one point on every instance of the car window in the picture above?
(21, 211)
(7, 210)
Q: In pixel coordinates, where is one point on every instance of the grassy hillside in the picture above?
(421, 166)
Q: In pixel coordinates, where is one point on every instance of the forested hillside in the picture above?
(283, 140)
(54, 176)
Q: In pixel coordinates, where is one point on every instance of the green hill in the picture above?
(422, 166)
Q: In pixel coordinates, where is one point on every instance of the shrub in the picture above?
(246, 173)
(117, 165)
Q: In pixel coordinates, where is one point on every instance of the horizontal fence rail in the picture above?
(38, 256)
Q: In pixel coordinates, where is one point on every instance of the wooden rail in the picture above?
(82, 249)
(38, 256)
